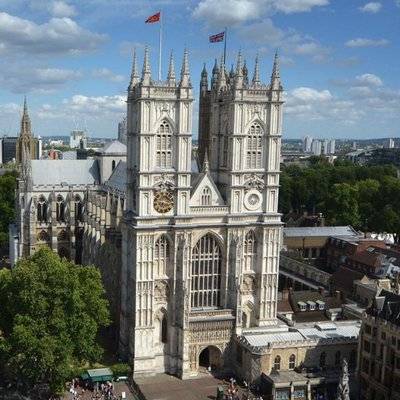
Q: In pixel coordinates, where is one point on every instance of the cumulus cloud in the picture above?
(61, 9)
(57, 36)
(363, 42)
(24, 79)
(237, 11)
(105, 73)
(369, 80)
(372, 7)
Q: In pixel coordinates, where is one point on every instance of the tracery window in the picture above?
(78, 209)
(42, 209)
(277, 363)
(60, 209)
(250, 251)
(161, 256)
(164, 146)
(206, 273)
(254, 147)
(206, 196)
(292, 361)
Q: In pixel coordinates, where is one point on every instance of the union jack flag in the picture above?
(219, 37)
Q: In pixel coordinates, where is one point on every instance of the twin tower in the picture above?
(201, 235)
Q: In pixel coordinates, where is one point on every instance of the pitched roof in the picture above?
(65, 172)
(318, 231)
(117, 180)
(114, 147)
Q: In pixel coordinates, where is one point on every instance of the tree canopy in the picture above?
(51, 312)
(366, 197)
(8, 183)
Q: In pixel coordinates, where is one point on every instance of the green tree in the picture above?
(51, 313)
(341, 207)
(8, 183)
(368, 192)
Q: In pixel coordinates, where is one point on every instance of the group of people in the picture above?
(232, 393)
(102, 391)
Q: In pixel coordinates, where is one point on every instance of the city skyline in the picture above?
(73, 61)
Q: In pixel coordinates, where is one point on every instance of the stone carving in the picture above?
(164, 183)
(248, 284)
(161, 291)
(254, 182)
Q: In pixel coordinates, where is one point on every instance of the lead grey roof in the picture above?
(68, 172)
(117, 179)
(114, 147)
(320, 231)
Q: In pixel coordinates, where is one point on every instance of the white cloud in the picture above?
(237, 11)
(105, 73)
(61, 9)
(363, 42)
(24, 79)
(372, 7)
(309, 95)
(369, 80)
(57, 36)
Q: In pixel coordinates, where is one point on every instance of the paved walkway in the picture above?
(167, 387)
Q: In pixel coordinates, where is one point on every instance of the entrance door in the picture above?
(210, 357)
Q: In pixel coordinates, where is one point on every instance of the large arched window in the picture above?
(164, 146)
(206, 197)
(42, 209)
(78, 209)
(254, 147)
(206, 273)
(250, 251)
(277, 363)
(60, 209)
(292, 361)
(161, 255)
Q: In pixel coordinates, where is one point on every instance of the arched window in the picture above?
(43, 236)
(206, 197)
(206, 273)
(164, 146)
(292, 361)
(322, 360)
(42, 210)
(277, 363)
(78, 209)
(60, 209)
(250, 251)
(161, 256)
(338, 358)
(254, 147)
(164, 329)
(63, 236)
(113, 165)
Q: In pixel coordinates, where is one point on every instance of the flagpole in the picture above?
(225, 46)
(160, 47)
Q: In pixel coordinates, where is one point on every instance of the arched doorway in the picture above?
(210, 357)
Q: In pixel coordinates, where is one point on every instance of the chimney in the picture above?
(338, 294)
(285, 294)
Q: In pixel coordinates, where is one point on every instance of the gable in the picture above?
(206, 186)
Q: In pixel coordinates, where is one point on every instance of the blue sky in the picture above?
(340, 59)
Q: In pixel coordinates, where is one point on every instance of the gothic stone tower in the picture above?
(200, 248)
(26, 139)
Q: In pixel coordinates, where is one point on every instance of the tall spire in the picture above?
(206, 165)
(185, 74)
(204, 79)
(239, 72)
(171, 71)
(134, 73)
(146, 72)
(215, 73)
(26, 128)
(26, 166)
(275, 76)
(245, 73)
(343, 390)
(222, 75)
(256, 76)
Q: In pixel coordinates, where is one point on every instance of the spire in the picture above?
(185, 74)
(26, 129)
(245, 73)
(171, 71)
(231, 72)
(222, 75)
(275, 76)
(239, 68)
(26, 166)
(215, 73)
(204, 79)
(134, 73)
(206, 164)
(146, 71)
(343, 390)
(256, 76)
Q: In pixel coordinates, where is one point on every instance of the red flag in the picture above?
(219, 37)
(153, 18)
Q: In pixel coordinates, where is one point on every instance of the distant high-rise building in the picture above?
(122, 131)
(307, 142)
(354, 146)
(331, 146)
(77, 139)
(325, 147)
(390, 143)
(316, 147)
(39, 147)
(8, 149)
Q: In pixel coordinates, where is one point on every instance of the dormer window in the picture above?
(321, 305)
(311, 305)
(302, 306)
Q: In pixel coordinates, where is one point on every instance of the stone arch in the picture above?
(161, 326)
(210, 356)
(248, 315)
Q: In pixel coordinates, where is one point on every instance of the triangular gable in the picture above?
(206, 181)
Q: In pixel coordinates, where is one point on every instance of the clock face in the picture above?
(163, 201)
(252, 200)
